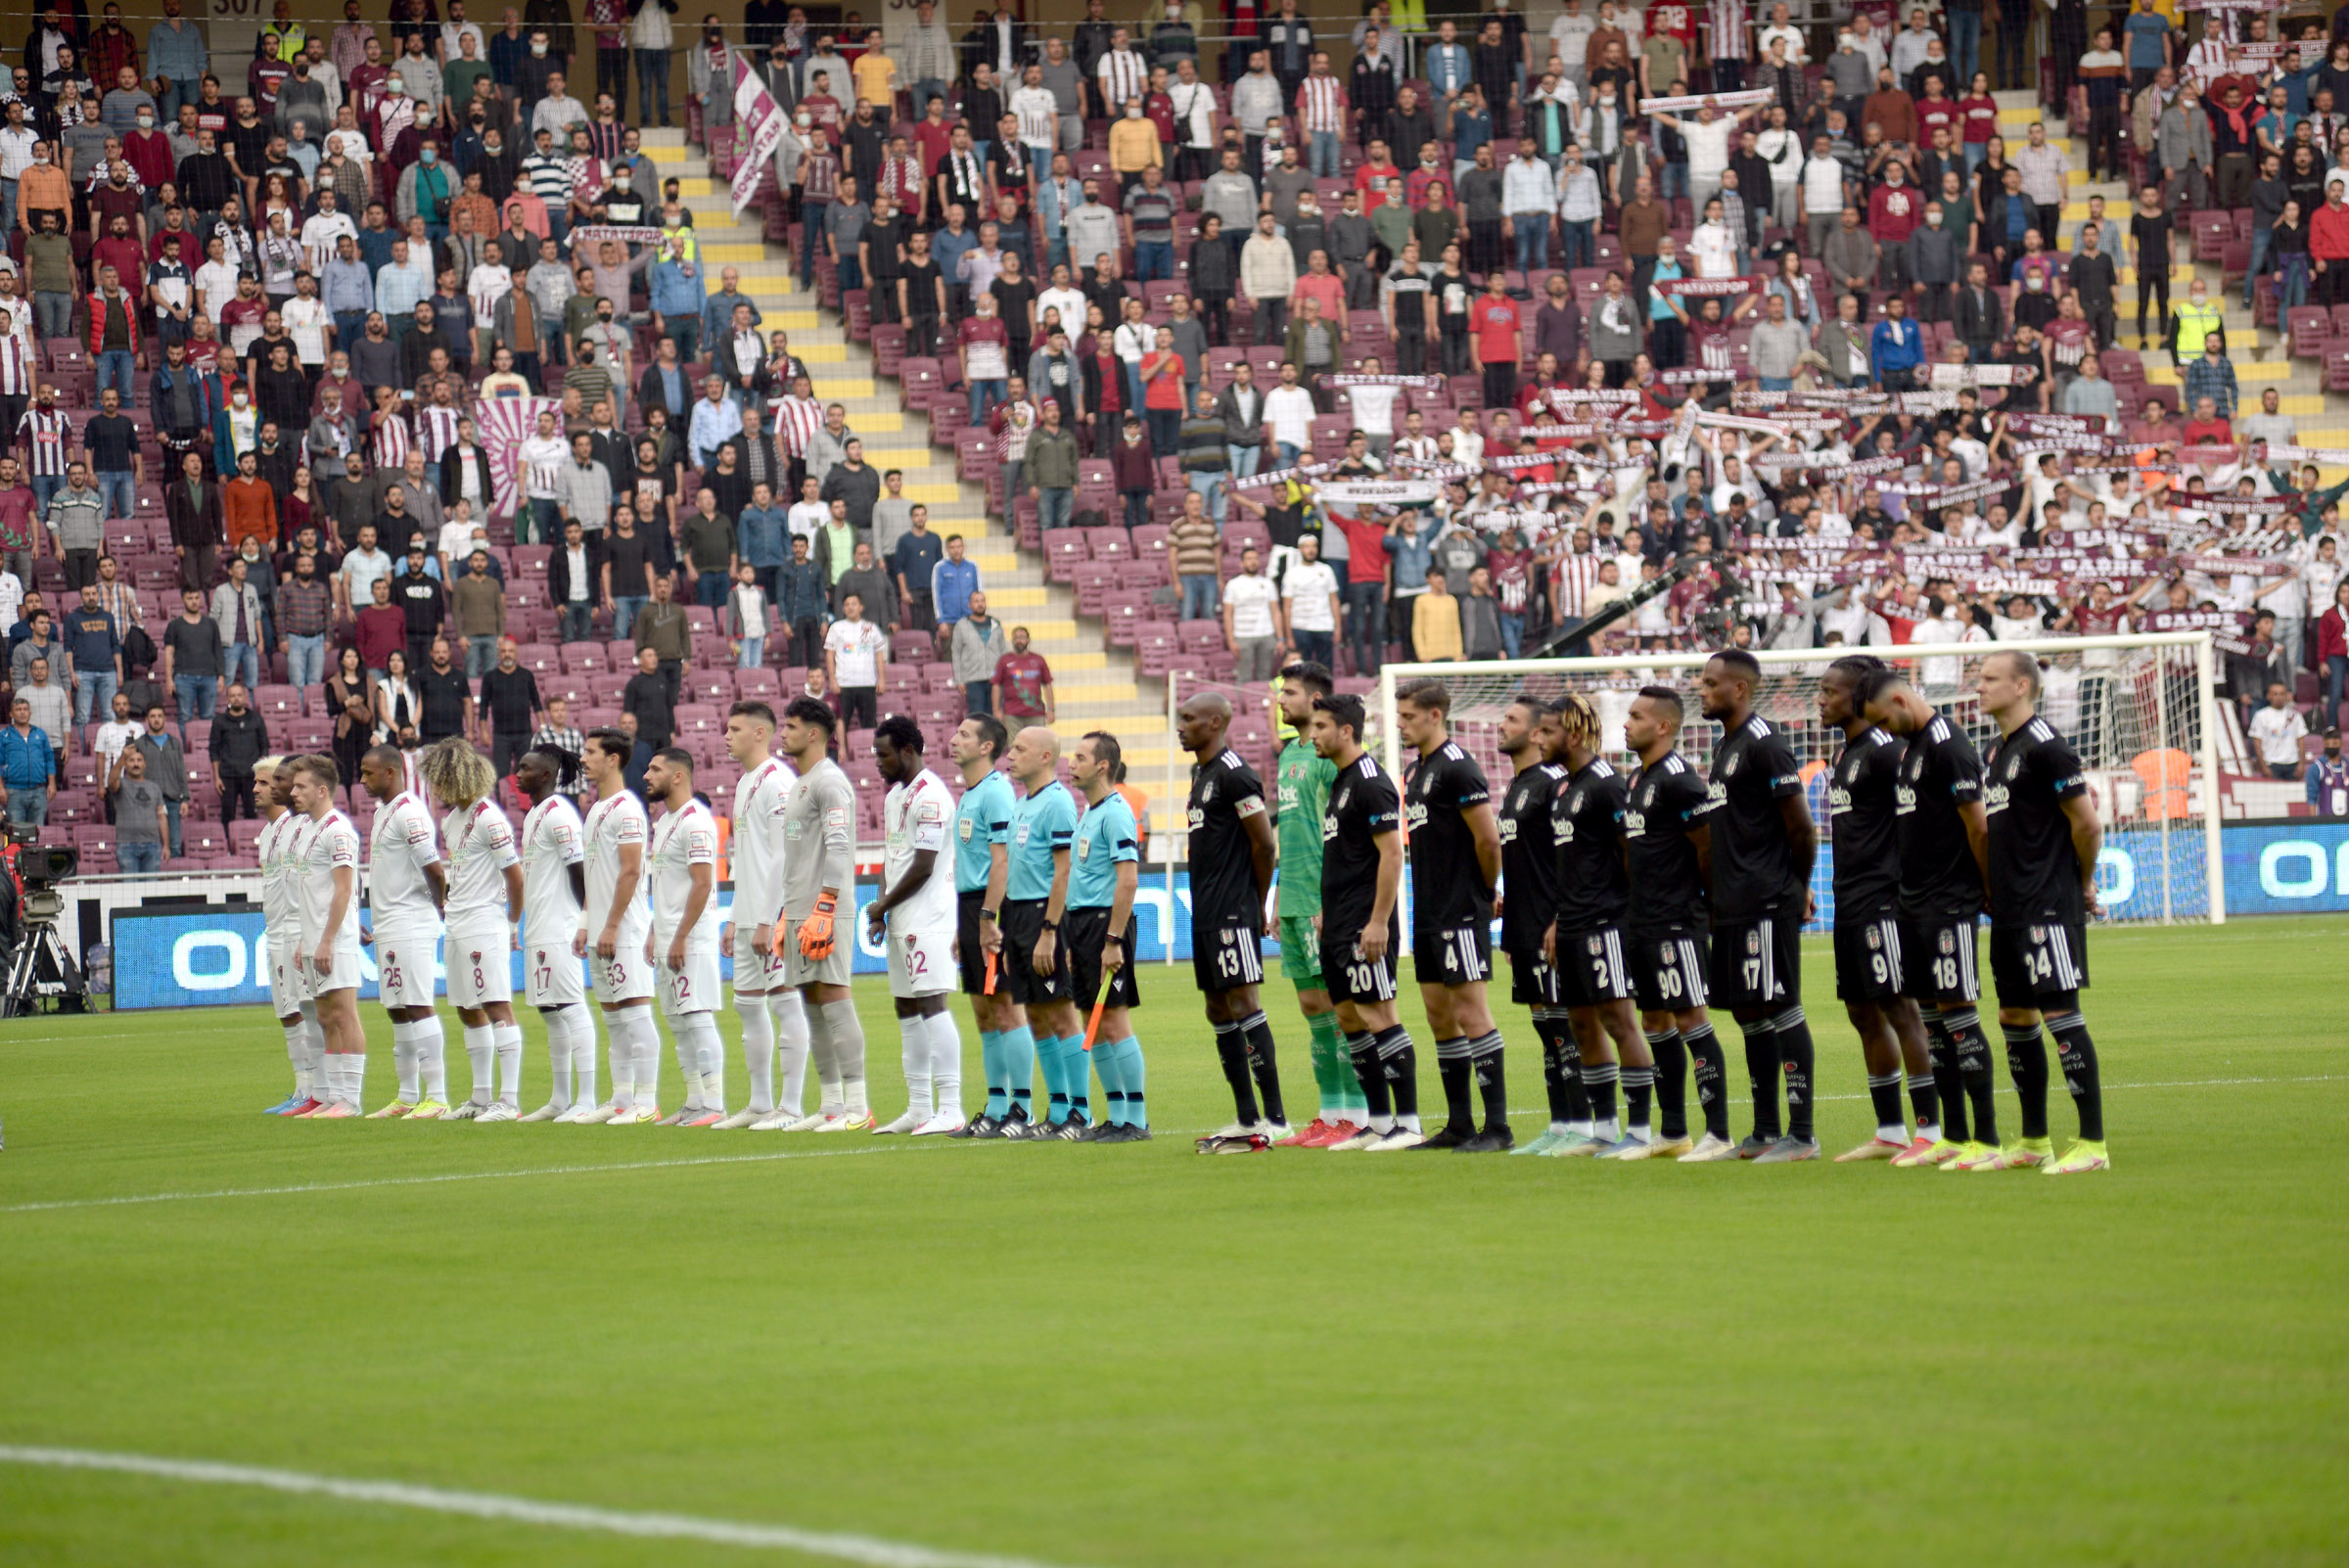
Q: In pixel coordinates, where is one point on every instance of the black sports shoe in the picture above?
(1755, 1146)
(1075, 1129)
(981, 1125)
(1492, 1140)
(1447, 1137)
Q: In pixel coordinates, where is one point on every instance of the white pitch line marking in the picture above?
(843, 1546)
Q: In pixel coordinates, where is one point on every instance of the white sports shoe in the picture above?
(1403, 1138)
(1272, 1132)
(1361, 1140)
(847, 1122)
(908, 1123)
(775, 1121)
(1238, 1130)
(467, 1112)
(811, 1123)
(740, 1118)
(595, 1114)
(544, 1113)
(1709, 1149)
(498, 1111)
(640, 1116)
(942, 1122)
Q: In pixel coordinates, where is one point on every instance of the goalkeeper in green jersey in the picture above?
(1304, 777)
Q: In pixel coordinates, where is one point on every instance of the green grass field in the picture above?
(1061, 1355)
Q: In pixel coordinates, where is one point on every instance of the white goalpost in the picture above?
(2141, 712)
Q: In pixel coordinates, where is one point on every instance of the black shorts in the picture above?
(1082, 933)
(1669, 970)
(1532, 982)
(1346, 974)
(1938, 962)
(2031, 962)
(1226, 954)
(1017, 975)
(1869, 954)
(972, 954)
(1758, 962)
(1453, 956)
(1590, 968)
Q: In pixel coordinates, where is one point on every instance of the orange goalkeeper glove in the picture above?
(815, 933)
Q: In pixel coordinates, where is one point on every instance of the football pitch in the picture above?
(378, 1343)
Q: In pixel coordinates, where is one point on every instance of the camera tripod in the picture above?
(42, 968)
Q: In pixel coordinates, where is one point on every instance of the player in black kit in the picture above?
(1667, 851)
(1231, 857)
(1945, 856)
(1585, 947)
(2044, 839)
(1362, 894)
(1762, 846)
(1455, 845)
(1870, 958)
(1528, 901)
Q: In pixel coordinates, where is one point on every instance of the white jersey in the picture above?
(552, 843)
(610, 824)
(685, 838)
(480, 845)
(320, 850)
(281, 879)
(918, 817)
(760, 798)
(400, 844)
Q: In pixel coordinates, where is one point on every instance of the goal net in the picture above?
(2138, 710)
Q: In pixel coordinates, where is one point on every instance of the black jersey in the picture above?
(1363, 806)
(1668, 886)
(1859, 815)
(1586, 825)
(1753, 864)
(2033, 872)
(1224, 885)
(1937, 874)
(1448, 885)
(1529, 865)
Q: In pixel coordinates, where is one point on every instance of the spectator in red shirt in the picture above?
(1372, 178)
(1023, 686)
(1895, 211)
(1497, 324)
(2329, 248)
(2207, 427)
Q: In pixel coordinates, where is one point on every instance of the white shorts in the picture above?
(623, 977)
(694, 988)
(552, 977)
(344, 975)
(921, 963)
(481, 967)
(285, 985)
(760, 971)
(403, 964)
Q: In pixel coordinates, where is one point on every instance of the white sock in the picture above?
(351, 1089)
(622, 1028)
(481, 1053)
(509, 1063)
(848, 1052)
(791, 1043)
(405, 1060)
(432, 1046)
(945, 1062)
(702, 1055)
(313, 1049)
(578, 1030)
(297, 1053)
(558, 1056)
(647, 1066)
(758, 1049)
(914, 1037)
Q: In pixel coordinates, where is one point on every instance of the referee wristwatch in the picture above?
(1051, 925)
(990, 914)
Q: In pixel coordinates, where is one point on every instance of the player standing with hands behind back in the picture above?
(1231, 854)
(1454, 846)
(2044, 841)
(1762, 847)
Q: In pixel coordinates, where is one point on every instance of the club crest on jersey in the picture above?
(1948, 941)
(2014, 767)
(1729, 765)
(1875, 937)
(1596, 946)
(1753, 942)
(2039, 934)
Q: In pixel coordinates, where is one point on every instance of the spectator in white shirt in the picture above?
(2278, 730)
(1252, 620)
(1309, 589)
(1289, 411)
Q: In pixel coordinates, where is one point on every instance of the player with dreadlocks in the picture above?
(485, 914)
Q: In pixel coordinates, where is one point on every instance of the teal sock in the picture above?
(1019, 1064)
(1054, 1065)
(991, 1062)
(1080, 1063)
(1129, 1052)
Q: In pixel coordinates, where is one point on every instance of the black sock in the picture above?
(1885, 1093)
(2077, 1054)
(1600, 1079)
(1398, 1061)
(1762, 1076)
(1946, 1078)
(1801, 1060)
(1974, 1070)
(1672, 1083)
(1925, 1100)
(2027, 1064)
(1233, 1052)
(1711, 1068)
(1451, 1066)
(1562, 1068)
(1362, 1051)
(1639, 1084)
(1256, 1030)
(1491, 1080)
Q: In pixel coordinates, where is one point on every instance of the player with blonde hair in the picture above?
(281, 922)
(484, 919)
(326, 855)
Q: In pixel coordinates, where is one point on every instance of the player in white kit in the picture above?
(613, 931)
(281, 922)
(683, 949)
(916, 910)
(769, 1009)
(326, 855)
(819, 875)
(484, 917)
(407, 885)
(554, 890)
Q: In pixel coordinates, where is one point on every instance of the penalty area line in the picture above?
(839, 1546)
